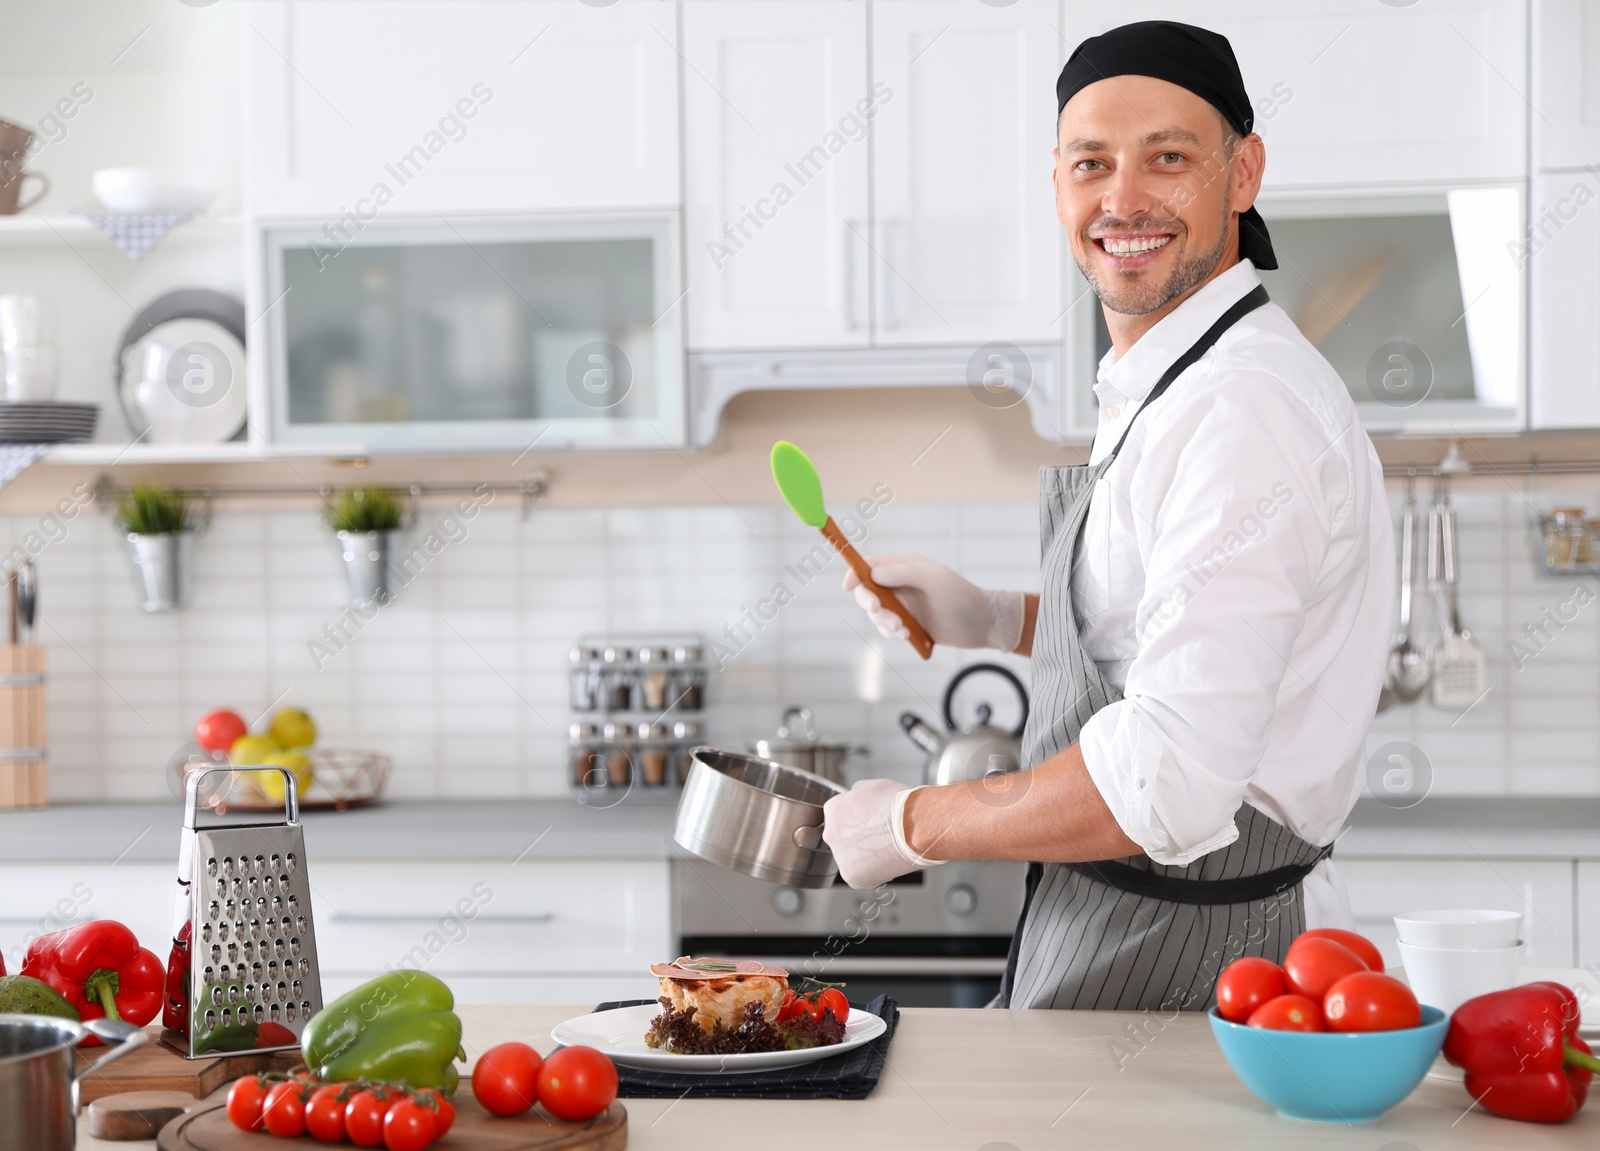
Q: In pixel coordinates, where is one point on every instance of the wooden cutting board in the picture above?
(474, 1130)
(154, 1068)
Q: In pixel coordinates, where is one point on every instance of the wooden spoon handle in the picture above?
(920, 639)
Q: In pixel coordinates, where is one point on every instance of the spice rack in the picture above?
(637, 702)
(1568, 539)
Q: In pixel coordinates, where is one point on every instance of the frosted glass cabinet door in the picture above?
(966, 245)
(457, 105)
(477, 335)
(777, 113)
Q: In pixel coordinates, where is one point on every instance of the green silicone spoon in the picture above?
(797, 480)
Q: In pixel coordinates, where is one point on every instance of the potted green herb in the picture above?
(156, 520)
(363, 521)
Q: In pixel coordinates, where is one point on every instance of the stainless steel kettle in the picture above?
(967, 753)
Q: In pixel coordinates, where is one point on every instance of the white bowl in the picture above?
(154, 189)
(1446, 977)
(1471, 929)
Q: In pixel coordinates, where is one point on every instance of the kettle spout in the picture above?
(922, 734)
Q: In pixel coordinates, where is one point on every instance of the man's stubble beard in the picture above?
(1186, 275)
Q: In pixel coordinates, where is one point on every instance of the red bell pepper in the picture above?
(1521, 1052)
(101, 969)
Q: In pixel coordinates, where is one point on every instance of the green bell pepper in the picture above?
(398, 1026)
(238, 1034)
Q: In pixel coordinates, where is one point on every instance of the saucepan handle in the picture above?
(808, 835)
(130, 1041)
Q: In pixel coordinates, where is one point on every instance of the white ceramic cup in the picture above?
(1459, 929)
(1446, 978)
(26, 319)
(30, 373)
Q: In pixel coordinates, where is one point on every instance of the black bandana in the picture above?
(1194, 58)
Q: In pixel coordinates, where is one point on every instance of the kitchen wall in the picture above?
(461, 679)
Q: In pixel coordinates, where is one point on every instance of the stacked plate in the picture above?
(46, 422)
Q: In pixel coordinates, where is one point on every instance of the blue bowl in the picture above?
(1328, 1076)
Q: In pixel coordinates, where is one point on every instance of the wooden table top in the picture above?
(973, 1080)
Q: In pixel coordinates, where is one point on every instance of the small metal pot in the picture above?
(757, 817)
(805, 750)
(38, 1090)
(161, 562)
(366, 565)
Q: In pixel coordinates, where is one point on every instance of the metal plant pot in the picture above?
(366, 565)
(162, 563)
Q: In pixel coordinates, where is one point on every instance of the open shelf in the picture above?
(50, 228)
(238, 451)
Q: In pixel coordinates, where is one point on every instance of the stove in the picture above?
(934, 938)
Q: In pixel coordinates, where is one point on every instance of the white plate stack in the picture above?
(46, 422)
(1453, 956)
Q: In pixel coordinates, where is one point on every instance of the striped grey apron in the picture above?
(1131, 934)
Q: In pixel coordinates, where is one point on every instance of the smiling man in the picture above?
(1210, 635)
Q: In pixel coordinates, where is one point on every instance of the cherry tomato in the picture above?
(1246, 984)
(833, 999)
(577, 1083)
(444, 1112)
(790, 1008)
(325, 1114)
(1313, 965)
(813, 1006)
(245, 1099)
(1365, 949)
(1370, 1001)
(363, 1118)
(1288, 1013)
(408, 1126)
(284, 1112)
(506, 1079)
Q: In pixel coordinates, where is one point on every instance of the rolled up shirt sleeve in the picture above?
(1233, 530)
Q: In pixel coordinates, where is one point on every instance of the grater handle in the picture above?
(291, 792)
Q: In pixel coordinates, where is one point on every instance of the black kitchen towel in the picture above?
(849, 1075)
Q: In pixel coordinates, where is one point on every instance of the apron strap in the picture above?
(1202, 892)
(1249, 302)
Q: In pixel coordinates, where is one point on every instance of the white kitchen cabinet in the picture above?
(1566, 63)
(36, 899)
(1587, 905)
(777, 106)
(966, 244)
(535, 931)
(1563, 252)
(1541, 889)
(407, 106)
(870, 174)
(1352, 92)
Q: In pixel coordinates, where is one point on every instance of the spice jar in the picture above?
(653, 754)
(618, 753)
(655, 677)
(1567, 541)
(586, 763)
(688, 678)
(687, 734)
(583, 678)
(617, 677)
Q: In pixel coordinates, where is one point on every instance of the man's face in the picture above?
(1148, 178)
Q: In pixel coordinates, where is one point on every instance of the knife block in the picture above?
(24, 755)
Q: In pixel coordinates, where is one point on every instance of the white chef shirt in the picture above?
(1235, 581)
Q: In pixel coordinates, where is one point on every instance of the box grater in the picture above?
(244, 954)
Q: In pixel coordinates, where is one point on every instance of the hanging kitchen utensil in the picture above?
(27, 599)
(1460, 668)
(973, 752)
(797, 480)
(1409, 669)
(243, 974)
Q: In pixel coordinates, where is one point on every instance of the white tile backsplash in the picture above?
(462, 678)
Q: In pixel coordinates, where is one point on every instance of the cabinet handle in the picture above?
(536, 917)
(886, 232)
(850, 323)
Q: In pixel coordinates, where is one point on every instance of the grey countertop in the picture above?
(1438, 827)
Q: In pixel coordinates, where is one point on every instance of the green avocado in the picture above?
(30, 996)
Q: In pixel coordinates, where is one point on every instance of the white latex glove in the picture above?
(955, 611)
(865, 829)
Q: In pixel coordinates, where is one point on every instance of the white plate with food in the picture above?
(733, 1010)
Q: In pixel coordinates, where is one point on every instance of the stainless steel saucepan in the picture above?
(38, 1089)
(757, 817)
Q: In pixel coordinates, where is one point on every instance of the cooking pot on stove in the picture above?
(756, 816)
(798, 745)
(977, 750)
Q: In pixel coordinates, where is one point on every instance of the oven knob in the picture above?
(788, 901)
(961, 900)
